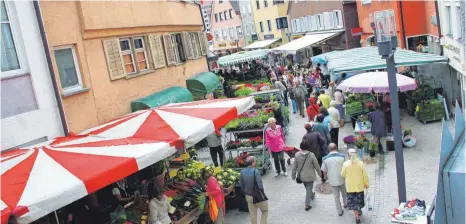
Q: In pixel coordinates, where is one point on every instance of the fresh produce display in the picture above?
(227, 177)
(247, 121)
(240, 160)
(244, 91)
(430, 110)
(357, 103)
(185, 196)
(245, 143)
(193, 170)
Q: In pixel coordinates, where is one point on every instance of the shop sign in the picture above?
(356, 31)
(222, 45)
(254, 37)
(233, 43)
(454, 51)
(269, 37)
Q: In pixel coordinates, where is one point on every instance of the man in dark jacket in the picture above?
(317, 144)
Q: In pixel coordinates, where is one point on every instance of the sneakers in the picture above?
(285, 174)
(277, 174)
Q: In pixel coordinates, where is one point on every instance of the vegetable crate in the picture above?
(354, 108)
(431, 110)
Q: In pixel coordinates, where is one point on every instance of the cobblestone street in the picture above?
(286, 198)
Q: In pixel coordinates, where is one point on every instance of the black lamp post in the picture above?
(387, 42)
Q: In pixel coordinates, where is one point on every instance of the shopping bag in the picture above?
(119, 216)
(368, 201)
(213, 209)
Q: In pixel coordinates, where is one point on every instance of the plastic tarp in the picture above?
(202, 84)
(243, 56)
(305, 41)
(261, 44)
(174, 94)
(368, 58)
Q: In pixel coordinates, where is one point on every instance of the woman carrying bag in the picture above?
(307, 166)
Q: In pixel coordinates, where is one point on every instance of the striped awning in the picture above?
(368, 58)
(243, 56)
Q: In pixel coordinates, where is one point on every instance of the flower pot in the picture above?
(350, 146)
(372, 153)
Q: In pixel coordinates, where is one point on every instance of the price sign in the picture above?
(217, 170)
(173, 173)
(185, 156)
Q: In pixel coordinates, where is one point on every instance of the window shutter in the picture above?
(114, 59)
(203, 42)
(167, 40)
(156, 48)
(187, 45)
(340, 19)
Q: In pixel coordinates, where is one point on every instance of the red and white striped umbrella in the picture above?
(41, 179)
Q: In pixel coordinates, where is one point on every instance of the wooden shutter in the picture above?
(167, 40)
(188, 45)
(203, 42)
(156, 48)
(115, 63)
(195, 42)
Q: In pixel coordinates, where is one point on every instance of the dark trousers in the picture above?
(319, 160)
(213, 153)
(334, 136)
(279, 160)
(285, 97)
(300, 105)
(353, 121)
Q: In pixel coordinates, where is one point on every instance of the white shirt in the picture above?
(332, 164)
(324, 70)
(339, 98)
(334, 117)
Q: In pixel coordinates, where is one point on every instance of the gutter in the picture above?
(400, 4)
(50, 67)
(437, 14)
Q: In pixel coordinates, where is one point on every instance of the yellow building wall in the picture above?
(66, 24)
(270, 13)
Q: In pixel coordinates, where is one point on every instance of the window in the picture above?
(266, 4)
(449, 25)
(217, 34)
(68, 69)
(246, 29)
(224, 34)
(229, 11)
(220, 1)
(282, 22)
(458, 22)
(221, 16)
(320, 22)
(239, 31)
(232, 32)
(11, 61)
(294, 25)
(258, 4)
(298, 25)
(216, 17)
(178, 43)
(364, 2)
(314, 25)
(249, 9)
(269, 25)
(225, 15)
(261, 27)
(305, 24)
(253, 29)
(278, 1)
(134, 55)
(243, 10)
(337, 19)
(196, 45)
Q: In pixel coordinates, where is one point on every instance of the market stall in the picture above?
(174, 94)
(44, 178)
(261, 44)
(306, 41)
(241, 57)
(203, 83)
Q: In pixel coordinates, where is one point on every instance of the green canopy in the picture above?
(243, 56)
(368, 58)
(174, 94)
(202, 83)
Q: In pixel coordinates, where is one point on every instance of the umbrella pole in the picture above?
(56, 217)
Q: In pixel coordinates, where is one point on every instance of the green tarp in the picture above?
(202, 84)
(368, 58)
(243, 56)
(175, 94)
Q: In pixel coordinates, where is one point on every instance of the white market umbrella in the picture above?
(377, 82)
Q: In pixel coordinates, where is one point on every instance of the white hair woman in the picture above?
(334, 116)
(275, 141)
(356, 181)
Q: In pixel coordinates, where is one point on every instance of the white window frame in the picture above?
(18, 42)
(243, 10)
(76, 66)
(249, 9)
(338, 18)
(313, 23)
(144, 49)
(269, 25)
(130, 52)
(253, 28)
(320, 22)
(294, 26)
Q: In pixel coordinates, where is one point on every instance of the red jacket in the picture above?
(313, 109)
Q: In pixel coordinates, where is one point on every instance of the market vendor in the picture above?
(78, 212)
(120, 192)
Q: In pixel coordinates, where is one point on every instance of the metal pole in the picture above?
(400, 167)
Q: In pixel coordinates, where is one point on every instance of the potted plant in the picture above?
(349, 141)
(359, 147)
(159, 169)
(373, 148)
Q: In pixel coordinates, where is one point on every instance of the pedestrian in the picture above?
(304, 170)
(275, 141)
(340, 79)
(158, 206)
(292, 96)
(334, 116)
(215, 191)
(214, 141)
(331, 89)
(378, 128)
(306, 89)
(299, 94)
(356, 181)
(326, 121)
(250, 181)
(324, 99)
(320, 126)
(340, 100)
(285, 92)
(332, 165)
(316, 144)
(312, 109)
(12, 219)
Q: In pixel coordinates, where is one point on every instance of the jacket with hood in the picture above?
(158, 211)
(313, 109)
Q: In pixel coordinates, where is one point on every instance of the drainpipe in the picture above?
(400, 4)
(437, 14)
(50, 66)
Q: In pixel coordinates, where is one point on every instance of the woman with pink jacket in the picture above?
(214, 190)
(275, 141)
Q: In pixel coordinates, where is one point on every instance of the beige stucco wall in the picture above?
(225, 24)
(107, 99)
(270, 13)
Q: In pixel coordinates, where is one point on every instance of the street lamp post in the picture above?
(387, 42)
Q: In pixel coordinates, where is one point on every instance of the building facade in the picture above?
(30, 112)
(227, 27)
(249, 28)
(104, 61)
(453, 26)
(271, 19)
(416, 23)
(310, 17)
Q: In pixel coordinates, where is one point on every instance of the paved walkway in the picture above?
(286, 198)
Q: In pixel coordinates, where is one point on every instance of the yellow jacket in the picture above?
(355, 175)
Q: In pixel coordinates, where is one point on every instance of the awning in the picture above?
(368, 58)
(243, 56)
(39, 180)
(261, 44)
(308, 40)
(202, 83)
(174, 94)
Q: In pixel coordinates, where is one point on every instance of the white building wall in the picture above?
(44, 122)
